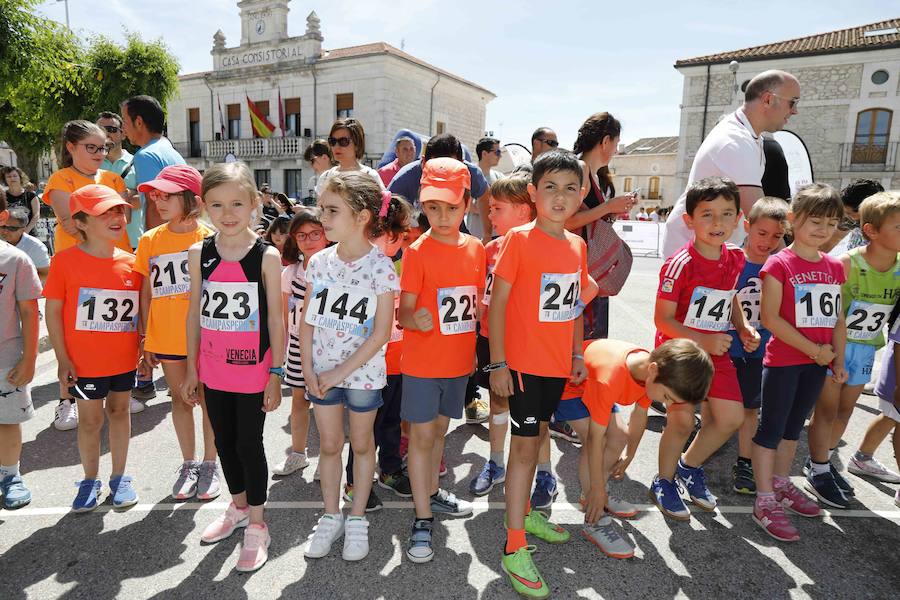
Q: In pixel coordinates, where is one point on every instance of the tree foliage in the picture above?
(48, 76)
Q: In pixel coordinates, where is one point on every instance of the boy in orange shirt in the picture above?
(540, 286)
(441, 285)
(510, 206)
(620, 373)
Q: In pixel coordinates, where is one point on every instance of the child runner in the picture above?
(19, 290)
(387, 421)
(541, 283)
(93, 295)
(872, 287)
(510, 206)
(765, 225)
(863, 462)
(345, 325)
(305, 237)
(619, 374)
(277, 234)
(162, 258)
(442, 283)
(801, 306)
(694, 301)
(235, 335)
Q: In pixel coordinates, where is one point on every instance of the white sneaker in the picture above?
(872, 468)
(327, 530)
(208, 486)
(292, 463)
(135, 406)
(356, 538)
(316, 473)
(65, 416)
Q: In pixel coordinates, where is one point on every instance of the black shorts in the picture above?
(534, 400)
(97, 388)
(170, 357)
(749, 375)
(483, 353)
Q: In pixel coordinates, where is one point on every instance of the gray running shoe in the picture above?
(605, 535)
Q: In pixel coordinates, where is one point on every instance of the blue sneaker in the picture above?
(122, 491)
(491, 474)
(545, 490)
(87, 497)
(826, 489)
(665, 496)
(694, 482)
(15, 494)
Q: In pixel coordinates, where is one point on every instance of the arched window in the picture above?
(627, 185)
(653, 192)
(871, 140)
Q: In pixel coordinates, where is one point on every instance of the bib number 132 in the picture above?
(456, 309)
(560, 293)
(107, 310)
(817, 305)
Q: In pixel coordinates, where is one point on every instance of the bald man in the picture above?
(734, 149)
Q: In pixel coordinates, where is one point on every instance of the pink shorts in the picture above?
(725, 384)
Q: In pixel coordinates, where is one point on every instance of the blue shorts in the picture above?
(424, 398)
(571, 409)
(749, 375)
(858, 360)
(355, 400)
(97, 388)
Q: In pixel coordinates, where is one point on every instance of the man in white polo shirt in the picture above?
(734, 148)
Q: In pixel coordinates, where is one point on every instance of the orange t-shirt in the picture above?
(448, 281)
(162, 255)
(609, 381)
(547, 275)
(490, 256)
(100, 311)
(68, 180)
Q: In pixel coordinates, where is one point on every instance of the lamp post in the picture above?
(67, 12)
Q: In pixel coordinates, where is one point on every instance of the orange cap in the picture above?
(444, 180)
(94, 199)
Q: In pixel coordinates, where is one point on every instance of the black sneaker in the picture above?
(374, 503)
(742, 477)
(841, 482)
(396, 482)
(826, 489)
(144, 392)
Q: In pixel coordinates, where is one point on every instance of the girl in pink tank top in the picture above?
(235, 348)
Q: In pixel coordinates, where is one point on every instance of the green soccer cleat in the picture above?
(523, 575)
(537, 524)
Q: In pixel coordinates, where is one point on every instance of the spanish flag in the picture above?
(261, 125)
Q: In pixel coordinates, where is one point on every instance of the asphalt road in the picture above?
(153, 549)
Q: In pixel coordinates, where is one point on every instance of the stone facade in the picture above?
(390, 89)
(639, 168)
(835, 88)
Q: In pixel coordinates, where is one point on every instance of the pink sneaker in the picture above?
(796, 501)
(770, 516)
(255, 551)
(224, 526)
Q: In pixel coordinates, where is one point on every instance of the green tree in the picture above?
(48, 77)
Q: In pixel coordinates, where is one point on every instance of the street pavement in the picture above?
(153, 550)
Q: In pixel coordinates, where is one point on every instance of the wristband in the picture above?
(276, 371)
(578, 356)
(494, 366)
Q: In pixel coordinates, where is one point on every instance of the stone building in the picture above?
(649, 164)
(850, 92)
(385, 88)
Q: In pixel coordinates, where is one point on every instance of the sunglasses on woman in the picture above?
(343, 142)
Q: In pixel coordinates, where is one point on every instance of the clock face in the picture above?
(260, 27)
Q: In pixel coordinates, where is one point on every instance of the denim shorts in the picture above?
(424, 398)
(858, 360)
(571, 409)
(355, 400)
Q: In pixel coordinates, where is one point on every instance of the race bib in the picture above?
(341, 308)
(748, 298)
(229, 306)
(817, 305)
(488, 287)
(107, 310)
(295, 307)
(456, 309)
(559, 297)
(709, 310)
(865, 319)
(169, 275)
(396, 330)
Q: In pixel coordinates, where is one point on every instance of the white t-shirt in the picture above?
(473, 218)
(342, 301)
(324, 177)
(654, 216)
(732, 149)
(35, 249)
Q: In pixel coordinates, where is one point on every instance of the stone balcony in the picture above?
(243, 149)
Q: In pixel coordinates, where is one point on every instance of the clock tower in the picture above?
(263, 20)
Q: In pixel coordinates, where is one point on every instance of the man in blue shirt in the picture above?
(144, 120)
(406, 182)
(120, 161)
